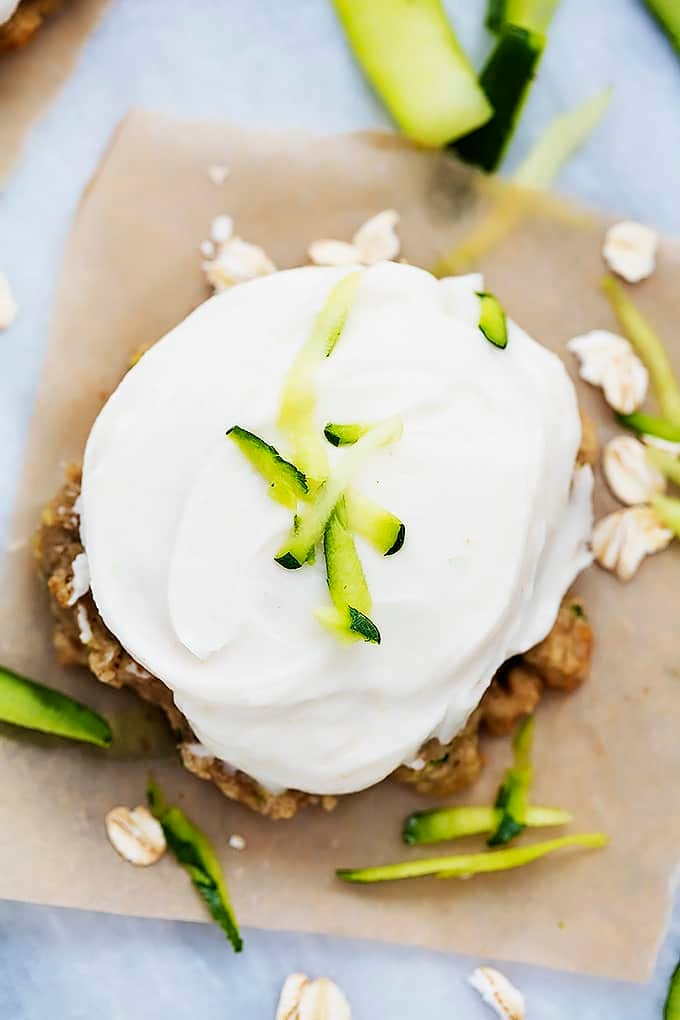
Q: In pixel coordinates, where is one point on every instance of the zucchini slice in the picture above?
(464, 865)
(535, 15)
(33, 706)
(441, 824)
(298, 400)
(346, 584)
(649, 346)
(196, 854)
(310, 523)
(370, 520)
(492, 321)
(505, 79)
(412, 57)
(287, 485)
(345, 435)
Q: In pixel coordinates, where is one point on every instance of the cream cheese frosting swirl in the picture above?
(181, 535)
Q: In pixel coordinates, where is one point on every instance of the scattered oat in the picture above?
(83, 624)
(207, 249)
(237, 261)
(302, 999)
(622, 540)
(8, 306)
(375, 241)
(218, 173)
(499, 993)
(609, 361)
(630, 250)
(237, 842)
(81, 579)
(222, 229)
(136, 835)
(629, 473)
(333, 253)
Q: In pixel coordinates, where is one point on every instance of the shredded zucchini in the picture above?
(345, 435)
(346, 582)
(513, 795)
(668, 511)
(310, 523)
(562, 138)
(506, 79)
(671, 1009)
(411, 56)
(649, 346)
(649, 425)
(492, 321)
(287, 485)
(535, 15)
(196, 854)
(33, 706)
(463, 865)
(299, 397)
(378, 526)
(442, 824)
(665, 462)
(667, 13)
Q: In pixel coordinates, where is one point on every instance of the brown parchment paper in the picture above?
(610, 753)
(31, 76)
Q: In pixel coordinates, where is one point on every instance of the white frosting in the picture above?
(7, 9)
(180, 531)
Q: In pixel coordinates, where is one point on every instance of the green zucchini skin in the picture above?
(344, 435)
(535, 15)
(649, 425)
(33, 706)
(492, 320)
(506, 79)
(667, 13)
(346, 580)
(286, 483)
(671, 1009)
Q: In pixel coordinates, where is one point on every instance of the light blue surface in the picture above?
(285, 63)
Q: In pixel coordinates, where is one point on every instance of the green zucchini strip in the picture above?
(410, 54)
(668, 511)
(562, 138)
(309, 525)
(650, 348)
(299, 397)
(196, 854)
(33, 706)
(378, 526)
(463, 865)
(505, 79)
(287, 485)
(513, 795)
(346, 583)
(535, 15)
(345, 435)
(665, 462)
(649, 425)
(671, 1009)
(492, 321)
(667, 13)
(442, 824)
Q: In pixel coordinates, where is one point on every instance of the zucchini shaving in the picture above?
(650, 348)
(378, 526)
(413, 59)
(196, 854)
(505, 79)
(668, 511)
(345, 435)
(442, 824)
(562, 138)
(33, 706)
(298, 400)
(513, 795)
(535, 15)
(287, 484)
(667, 13)
(309, 525)
(665, 462)
(492, 321)
(649, 425)
(346, 583)
(464, 865)
(671, 1009)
